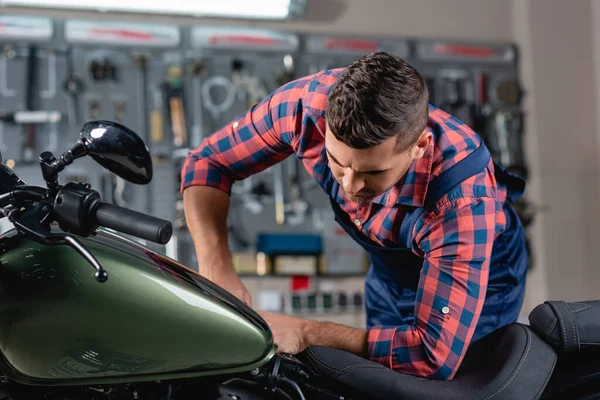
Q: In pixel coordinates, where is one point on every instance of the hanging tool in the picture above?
(31, 89)
(482, 115)
(120, 111)
(31, 117)
(455, 98)
(156, 117)
(174, 93)
(297, 207)
(248, 86)
(217, 109)
(278, 192)
(198, 70)
(36, 118)
(9, 53)
(73, 85)
(142, 63)
(502, 136)
(103, 70)
(95, 110)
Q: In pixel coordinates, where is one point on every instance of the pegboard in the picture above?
(136, 74)
(321, 52)
(233, 69)
(478, 84)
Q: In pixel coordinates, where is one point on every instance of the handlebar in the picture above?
(78, 209)
(132, 222)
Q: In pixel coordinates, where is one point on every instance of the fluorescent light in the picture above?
(261, 9)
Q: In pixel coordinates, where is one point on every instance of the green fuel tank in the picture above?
(152, 319)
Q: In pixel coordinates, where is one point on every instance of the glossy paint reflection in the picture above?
(152, 317)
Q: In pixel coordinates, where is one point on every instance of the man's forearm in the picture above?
(337, 336)
(206, 211)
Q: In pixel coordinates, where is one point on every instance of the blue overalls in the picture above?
(393, 278)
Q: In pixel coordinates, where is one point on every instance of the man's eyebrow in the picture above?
(374, 171)
(333, 158)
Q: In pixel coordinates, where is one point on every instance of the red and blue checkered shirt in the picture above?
(292, 120)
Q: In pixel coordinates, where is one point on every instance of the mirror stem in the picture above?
(51, 166)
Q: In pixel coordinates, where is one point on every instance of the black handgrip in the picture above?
(133, 223)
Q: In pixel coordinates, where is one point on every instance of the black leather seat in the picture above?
(510, 363)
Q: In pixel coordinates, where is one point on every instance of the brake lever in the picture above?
(35, 223)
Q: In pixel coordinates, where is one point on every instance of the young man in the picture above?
(413, 185)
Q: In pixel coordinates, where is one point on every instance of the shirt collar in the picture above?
(411, 191)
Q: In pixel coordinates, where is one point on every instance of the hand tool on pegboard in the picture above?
(297, 208)
(198, 71)
(278, 193)
(481, 113)
(73, 85)
(31, 90)
(141, 62)
(156, 117)
(248, 86)
(174, 94)
(456, 94)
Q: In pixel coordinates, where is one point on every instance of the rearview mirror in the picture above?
(118, 149)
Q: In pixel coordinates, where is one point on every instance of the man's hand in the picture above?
(288, 332)
(228, 279)
(293, 335)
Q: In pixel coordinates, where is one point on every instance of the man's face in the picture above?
(365, 174)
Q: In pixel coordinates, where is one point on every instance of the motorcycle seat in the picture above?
(510, 363)
(570, 328)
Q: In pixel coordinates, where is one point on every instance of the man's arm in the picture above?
(206, 211)
(249, 144)
(457, 243)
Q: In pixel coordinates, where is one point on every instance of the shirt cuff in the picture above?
(203, 173)
(380, 340)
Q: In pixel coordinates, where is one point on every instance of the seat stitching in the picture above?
(565, 341)
(313, 356)
(573, 325)
(585, 307)
(321, 363)
(552, 325)
(521, 362)
(353, 367)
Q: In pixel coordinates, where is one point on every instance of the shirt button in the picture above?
(445, 310)
(236, 124)
(357, 222)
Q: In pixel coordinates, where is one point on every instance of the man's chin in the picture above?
(360, 199)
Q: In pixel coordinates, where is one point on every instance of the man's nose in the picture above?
(351, 182)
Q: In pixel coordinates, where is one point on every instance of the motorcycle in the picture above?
(88, 313)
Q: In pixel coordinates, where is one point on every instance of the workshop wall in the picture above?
(456, 19)
(563, 102)
(466, 20)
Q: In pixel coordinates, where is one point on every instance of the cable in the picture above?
(217, 109)
(293, 384)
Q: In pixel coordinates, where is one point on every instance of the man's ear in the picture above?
(422, 144)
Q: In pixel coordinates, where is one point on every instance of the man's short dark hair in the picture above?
(377, 97)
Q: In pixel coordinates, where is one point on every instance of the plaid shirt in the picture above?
(455, 239)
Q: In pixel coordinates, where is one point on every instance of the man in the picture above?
(410, 183)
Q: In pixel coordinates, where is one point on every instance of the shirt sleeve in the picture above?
(456, 243)
(250, 143)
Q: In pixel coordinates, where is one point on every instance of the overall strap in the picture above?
(473, 164)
